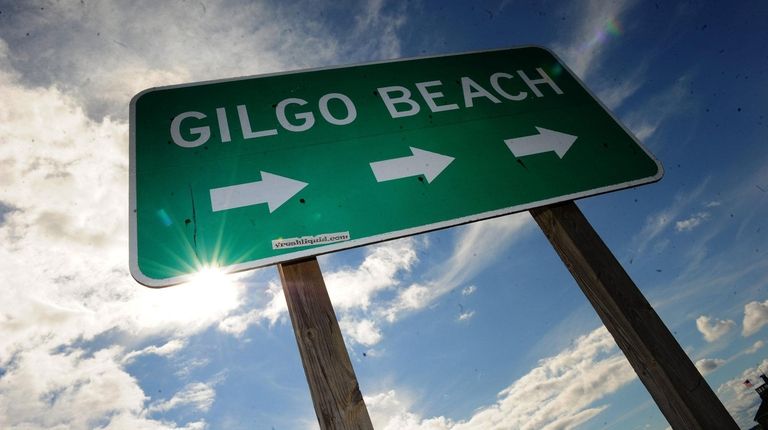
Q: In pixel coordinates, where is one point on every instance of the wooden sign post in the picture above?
(682, 394)
(332, 382)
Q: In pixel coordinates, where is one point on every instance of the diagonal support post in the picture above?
(681, 393)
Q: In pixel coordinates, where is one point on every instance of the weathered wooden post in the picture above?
(682, 394)
(332, 382)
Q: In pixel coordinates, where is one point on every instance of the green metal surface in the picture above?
(175, 232)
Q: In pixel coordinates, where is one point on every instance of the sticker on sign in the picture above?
(295, 242)
(376, 151)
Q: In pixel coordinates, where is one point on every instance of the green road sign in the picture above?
(248, 172)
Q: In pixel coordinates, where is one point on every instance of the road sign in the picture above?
(249, 172)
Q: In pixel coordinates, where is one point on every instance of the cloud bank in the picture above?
(70, 69)
(561, 392)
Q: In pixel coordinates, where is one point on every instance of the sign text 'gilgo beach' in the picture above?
(249, 172)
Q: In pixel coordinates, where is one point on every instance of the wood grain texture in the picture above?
(682, 394)
(332, 382)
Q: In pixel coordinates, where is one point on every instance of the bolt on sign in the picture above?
(248, 172)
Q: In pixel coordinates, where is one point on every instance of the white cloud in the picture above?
(755, 347)
(414, 297)
(198, 395)
(613, 93)
(117, 51)
(707, 365)
(390, 410)
(755, 317)
(237, 324)
(63, 251)
(658, 222)
(691, 222)
(275, 308)
(355, 288)
(466, 316)
(713, 330)
(364, 332)
(740, 400)
(477, 245)
(186, 366)
(559, 393)
(117, 57)
(169, 348)
(468, 291)
(41, 389)
(352, 290)
(74, 389)
(642, 129)
(659, 108)
(376, 20)
(124, 421)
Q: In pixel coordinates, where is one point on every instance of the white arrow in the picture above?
(422, 162)
(546, 141)
(273, 190)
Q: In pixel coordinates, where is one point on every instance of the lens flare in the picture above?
(556, 70)
(612, 27)
(164, 218)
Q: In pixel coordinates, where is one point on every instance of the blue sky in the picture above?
(474, 327)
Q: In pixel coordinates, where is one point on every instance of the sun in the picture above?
(209, 276)
(209, 296)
